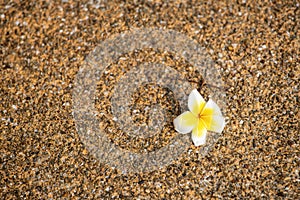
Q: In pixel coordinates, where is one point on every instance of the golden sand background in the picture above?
(255, 44)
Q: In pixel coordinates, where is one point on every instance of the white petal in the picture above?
(196, 102)
(212, 116)
(217, 124)
(211, 108)
(185, 122)
(199, 134)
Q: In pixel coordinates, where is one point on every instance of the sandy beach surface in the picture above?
(255, 46)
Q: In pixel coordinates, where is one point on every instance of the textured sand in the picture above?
(256, 46)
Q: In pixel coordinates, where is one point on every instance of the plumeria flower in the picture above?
(202, 117)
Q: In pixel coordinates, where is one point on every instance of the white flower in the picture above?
(201, 118)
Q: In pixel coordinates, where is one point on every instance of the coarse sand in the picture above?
(254, 44)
